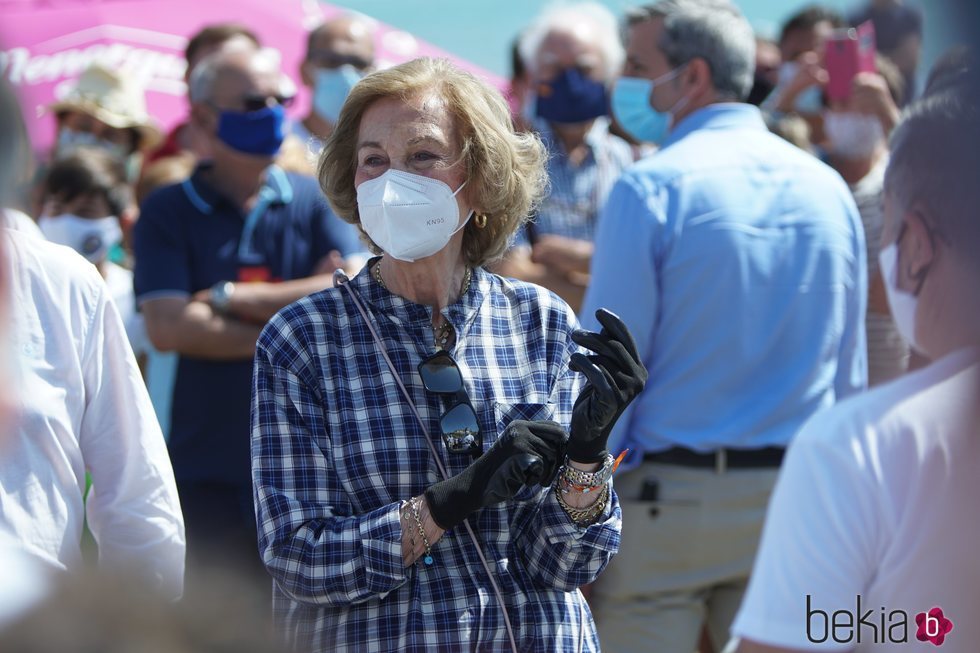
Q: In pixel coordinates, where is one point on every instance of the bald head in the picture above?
(347, 39)
(228, 76)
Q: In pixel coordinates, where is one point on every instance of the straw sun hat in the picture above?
(115, 99)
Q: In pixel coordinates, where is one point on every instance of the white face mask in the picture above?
(903, 305)
(90, 238)
(852, 135)
(69, 141)
(409, 216)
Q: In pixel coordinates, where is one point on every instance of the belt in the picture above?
(719, 460)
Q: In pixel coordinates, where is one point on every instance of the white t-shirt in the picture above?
(83, 408)
(18, 221)
(877, 498)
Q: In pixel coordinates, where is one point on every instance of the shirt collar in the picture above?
(397, 309)
(275, 188)
(723, 115)
(594, 139)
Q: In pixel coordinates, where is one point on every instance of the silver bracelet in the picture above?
(586, 480)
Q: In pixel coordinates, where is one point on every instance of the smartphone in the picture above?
(848, 52)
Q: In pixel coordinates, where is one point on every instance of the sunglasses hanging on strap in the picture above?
(460, 427)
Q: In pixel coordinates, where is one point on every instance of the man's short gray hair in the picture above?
(202, 78)
(934, 158)
(201, 84)
(564, 16)
(713, 30)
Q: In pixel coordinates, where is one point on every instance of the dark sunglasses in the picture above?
(259, 102)
(460, 428)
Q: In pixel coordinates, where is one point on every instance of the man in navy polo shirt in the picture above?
(216, 256)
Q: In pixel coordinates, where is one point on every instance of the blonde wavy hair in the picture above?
(505, 172)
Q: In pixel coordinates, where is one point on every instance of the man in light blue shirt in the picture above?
(738, 263)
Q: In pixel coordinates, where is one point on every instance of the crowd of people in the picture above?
(672, 347)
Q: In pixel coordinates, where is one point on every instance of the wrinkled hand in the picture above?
(615, 377)
(809, 73)
(525, 453)
(245, 303)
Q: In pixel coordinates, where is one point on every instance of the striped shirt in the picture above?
(335, 449)
(577, 191)
(888, 353)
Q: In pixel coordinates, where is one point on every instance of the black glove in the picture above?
(616, 375)
(525, 453)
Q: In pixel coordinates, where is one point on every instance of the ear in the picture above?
(918, 248)
(205, 117)
(697, 76)
(307, 73)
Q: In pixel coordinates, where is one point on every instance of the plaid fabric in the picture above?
(335, 449)
(577, 192)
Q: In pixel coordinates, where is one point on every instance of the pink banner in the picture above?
(45, 45)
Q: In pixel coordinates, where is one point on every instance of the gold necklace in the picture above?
(442, 333)
(467, 278)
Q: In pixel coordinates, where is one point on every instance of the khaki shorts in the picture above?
(685, 557)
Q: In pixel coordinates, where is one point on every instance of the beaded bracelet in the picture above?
(416, 505)
(584, 516)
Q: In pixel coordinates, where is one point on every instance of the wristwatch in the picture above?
(594, 479)
(221, 293)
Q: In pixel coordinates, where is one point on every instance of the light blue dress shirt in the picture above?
(738, 262)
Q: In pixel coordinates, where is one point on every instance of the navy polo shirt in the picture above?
(190, 237)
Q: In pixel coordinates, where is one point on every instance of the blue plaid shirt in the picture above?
(576, 193)
(335, 450)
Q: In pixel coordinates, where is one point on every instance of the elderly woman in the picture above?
(410, 429)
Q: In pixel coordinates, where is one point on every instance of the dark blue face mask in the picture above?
(259, 133)
(571, 97)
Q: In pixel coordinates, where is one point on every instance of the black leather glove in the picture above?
(525, 453)
(616, 375)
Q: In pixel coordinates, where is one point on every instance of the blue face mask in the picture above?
(330, 89)
(571, 97)
(631, 107)
(259, 133)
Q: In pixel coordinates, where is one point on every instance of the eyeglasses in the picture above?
(460, 428)
(259, 102)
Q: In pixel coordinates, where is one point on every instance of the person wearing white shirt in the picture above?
(19, 221)
(870, 541)
(82, 408)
